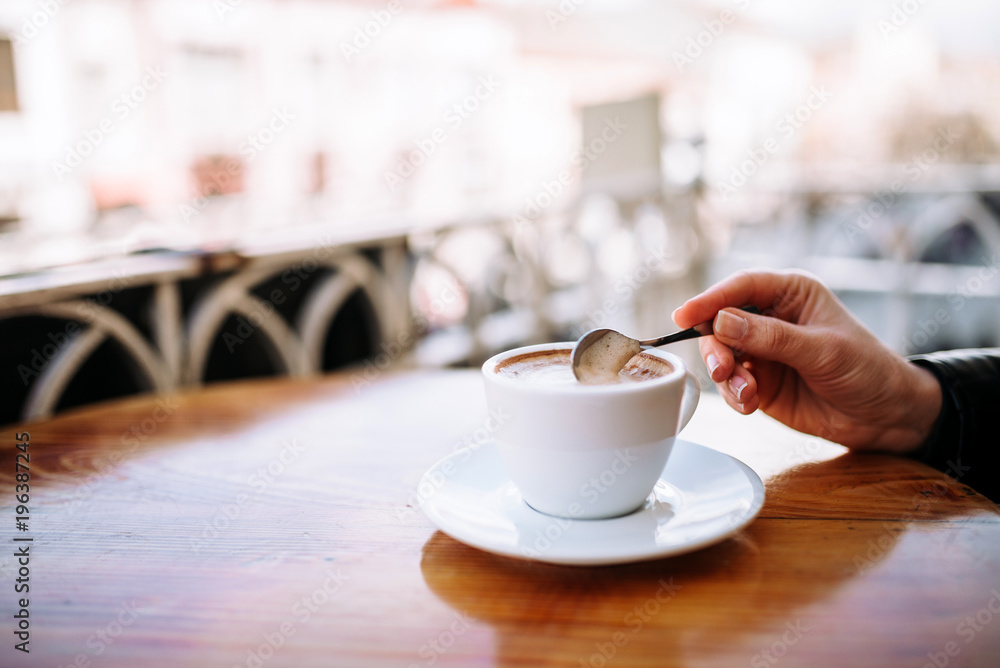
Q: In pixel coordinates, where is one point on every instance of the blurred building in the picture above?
(218, 117)
(552, 165)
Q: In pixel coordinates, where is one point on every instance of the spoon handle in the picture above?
(703, 329)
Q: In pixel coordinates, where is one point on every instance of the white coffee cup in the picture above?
(588, 451)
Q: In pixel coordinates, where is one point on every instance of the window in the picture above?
(8, 91)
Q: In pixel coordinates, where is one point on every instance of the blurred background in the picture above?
(203, 190)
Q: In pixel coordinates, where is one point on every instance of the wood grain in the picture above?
(227, 513)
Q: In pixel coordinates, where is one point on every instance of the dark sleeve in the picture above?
(965, 442)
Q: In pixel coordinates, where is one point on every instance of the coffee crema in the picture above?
(555, 367)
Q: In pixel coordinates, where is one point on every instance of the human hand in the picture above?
(807, 362)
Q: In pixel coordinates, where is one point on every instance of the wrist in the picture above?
(921, 406)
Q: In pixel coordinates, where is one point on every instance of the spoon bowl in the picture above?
(600, 354)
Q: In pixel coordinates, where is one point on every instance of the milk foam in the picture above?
(554, 367)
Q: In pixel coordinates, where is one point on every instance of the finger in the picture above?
(742, 384)
(718, 358)
(780, 294)
(745, 407)
(768, 338)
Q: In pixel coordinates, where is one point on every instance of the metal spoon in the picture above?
(600, 354)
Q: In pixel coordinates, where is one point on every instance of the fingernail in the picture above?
(742, 407)
(713, 364)
(731, 326)
(738, 385)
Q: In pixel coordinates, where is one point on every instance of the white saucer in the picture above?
(702, 497)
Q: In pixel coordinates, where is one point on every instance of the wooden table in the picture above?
(274, 523)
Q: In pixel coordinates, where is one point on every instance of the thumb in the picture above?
(765, 337)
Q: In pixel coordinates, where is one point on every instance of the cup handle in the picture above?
(692, 392)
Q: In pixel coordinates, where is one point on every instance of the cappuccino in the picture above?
(563, 434)
(555, 367)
